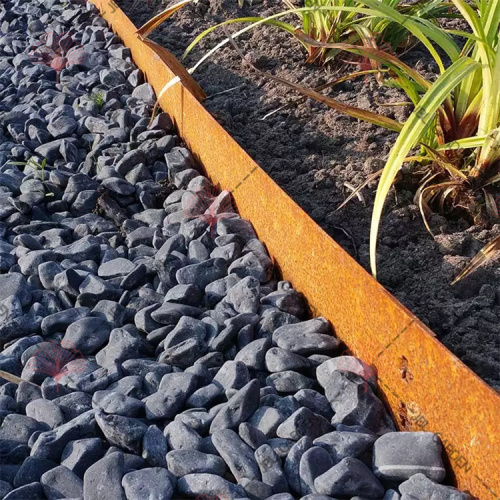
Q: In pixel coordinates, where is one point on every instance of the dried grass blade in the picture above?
(353, 111)
(160, 18)
(14, 379)
(365, 183)
(482, 256)
(491, 206)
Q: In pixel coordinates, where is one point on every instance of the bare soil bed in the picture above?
(312, 151)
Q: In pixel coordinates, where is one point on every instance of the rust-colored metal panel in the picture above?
(425, 385)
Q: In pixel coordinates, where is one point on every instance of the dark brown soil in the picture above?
(312, 151)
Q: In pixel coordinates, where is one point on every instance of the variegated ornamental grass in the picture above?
(456, 117)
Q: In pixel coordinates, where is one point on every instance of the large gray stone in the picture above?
(349, 478)
(184, 462)
(60, 482)
(238, 456)
(103, 480)
(399, 455)
(420, 486)
(148, 483)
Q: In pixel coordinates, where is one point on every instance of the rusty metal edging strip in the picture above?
(425, 385)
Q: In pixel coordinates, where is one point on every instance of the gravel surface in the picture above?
(159, 356)
(314, 152)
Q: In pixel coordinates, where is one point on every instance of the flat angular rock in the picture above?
(399, 455)
(184, 462)
(244, 296)
(314, 462)
(17, 430)
(59, 321)
(290, 381)
(232, 375)
(185, 329)
(103, 480)
(29, 262)
(341, 445)
(172, 393)
(303, 423)
(154, 447)
(170, 313)
(315, 401)
(203, 273)
(315, 325)
(254, 354)
(60, 482)
(73, 404)
(46, 412)
(148, 483)
(196, 485)
(15, 284)
(182, 437)
(252, 436)
(114, 403)
(271, 470)
(267, 420)
(115, 268)
(217, 290)
(86, 248)
(346, 364)
(203, 397)
(420, 486)
(184, 354)
(349, 478)
(307, 343)
(289, 301)
(189, 295)
(51, 444)
(87, 335)
(238, 409)
(280, 360)
(354, 403)
(238, 456)
(256, 489)
(79, 455)
(124, 432)
(292, 463)
(122, 345)
(258, 266)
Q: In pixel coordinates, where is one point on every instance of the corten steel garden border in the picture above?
(425, 385)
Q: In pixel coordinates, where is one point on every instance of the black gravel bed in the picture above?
(314, 153)
(148, 349)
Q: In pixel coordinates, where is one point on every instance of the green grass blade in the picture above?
(468, 142)
(417, 27)
(485, 57)
(254, 20)
(414, 127)
(492, 20)
(376, 54)
(491, 103)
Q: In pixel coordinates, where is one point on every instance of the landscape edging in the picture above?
(423, 383)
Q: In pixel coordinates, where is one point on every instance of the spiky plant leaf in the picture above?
(160, 18)
(410, 135)
(486, 253)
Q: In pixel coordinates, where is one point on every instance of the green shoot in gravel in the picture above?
(39, 168)
(98, 98)
(33, 163)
